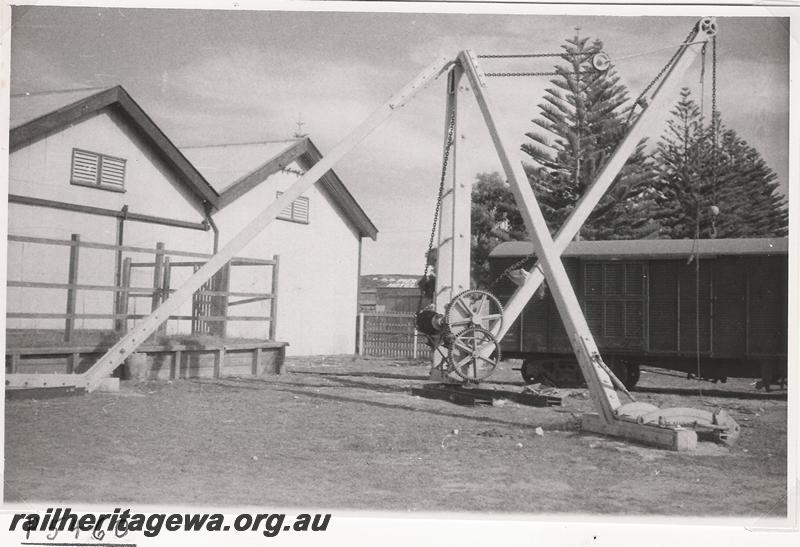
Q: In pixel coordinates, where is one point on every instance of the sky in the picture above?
(211, 77)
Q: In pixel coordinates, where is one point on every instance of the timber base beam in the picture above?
(670, 438)
(33, 380)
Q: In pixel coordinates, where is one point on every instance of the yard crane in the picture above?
(472, 323)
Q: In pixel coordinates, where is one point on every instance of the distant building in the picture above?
(397, 293)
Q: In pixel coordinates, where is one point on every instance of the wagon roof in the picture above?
(655, 248)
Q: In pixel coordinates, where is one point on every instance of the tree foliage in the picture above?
(495, 218)
(725, 191)
(583, 118)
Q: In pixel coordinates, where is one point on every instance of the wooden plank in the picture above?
(78, 286)
(249, 301)
(273, 305)
(251, 262)
(256, 361)
(118, 258)
(14, 363)
(164, 290)
(72, 279)
(177, 359)
(224, 284)
(17, 394)
(124, 300)
(99, 211)
(158, 277)
(662, 437)
(219, 362)
(28, 380)
(106, 246)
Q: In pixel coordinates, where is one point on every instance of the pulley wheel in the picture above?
(601, 61)
(474, 354)
(474, 308)
(708, 25)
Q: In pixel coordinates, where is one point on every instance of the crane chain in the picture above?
(506, 74)
(664, 69)
(532, 55)
(515, 266)
(445, 160)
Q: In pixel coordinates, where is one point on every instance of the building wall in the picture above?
(42, 170)
(318, 274)
(318, 261)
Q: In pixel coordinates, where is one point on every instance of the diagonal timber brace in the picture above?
(600, 386)
(648, 424)
(648, 121)
(128, 344)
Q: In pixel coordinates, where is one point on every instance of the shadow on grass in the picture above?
(563, 423)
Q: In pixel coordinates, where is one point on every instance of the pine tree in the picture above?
(495, 218)
(729, 191)
(584, 118)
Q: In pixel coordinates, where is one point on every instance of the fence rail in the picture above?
(391, 335)
(210, 304)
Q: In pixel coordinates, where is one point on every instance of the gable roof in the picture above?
(37, 115)
(235, 169)
(219, 163)
(654, 248)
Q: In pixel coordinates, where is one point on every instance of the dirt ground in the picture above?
(340, 432)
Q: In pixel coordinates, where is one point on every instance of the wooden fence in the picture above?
(390, 335)
(215, 292)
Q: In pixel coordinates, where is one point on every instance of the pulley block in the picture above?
(601, 61)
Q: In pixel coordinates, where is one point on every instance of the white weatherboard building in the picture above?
(93, 163)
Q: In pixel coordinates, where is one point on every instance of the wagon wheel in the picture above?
(474, 308)
(474, 354)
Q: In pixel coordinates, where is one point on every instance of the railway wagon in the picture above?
(713, 309)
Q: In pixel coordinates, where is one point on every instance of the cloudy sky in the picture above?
(209, 77)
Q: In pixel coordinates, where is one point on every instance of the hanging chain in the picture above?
(686, 43)
(534, 55)
(703, 81)
(714, 132)
(501, 74)
(515, 266)
(451, 125)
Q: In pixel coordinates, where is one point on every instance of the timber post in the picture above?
(72, 280)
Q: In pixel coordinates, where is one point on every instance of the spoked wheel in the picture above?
(474, 308)
(474, 354)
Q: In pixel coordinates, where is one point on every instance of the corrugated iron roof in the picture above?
(663, 248)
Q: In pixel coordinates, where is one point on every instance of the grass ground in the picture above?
(340, 432)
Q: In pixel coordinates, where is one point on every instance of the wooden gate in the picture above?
(391, 335)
